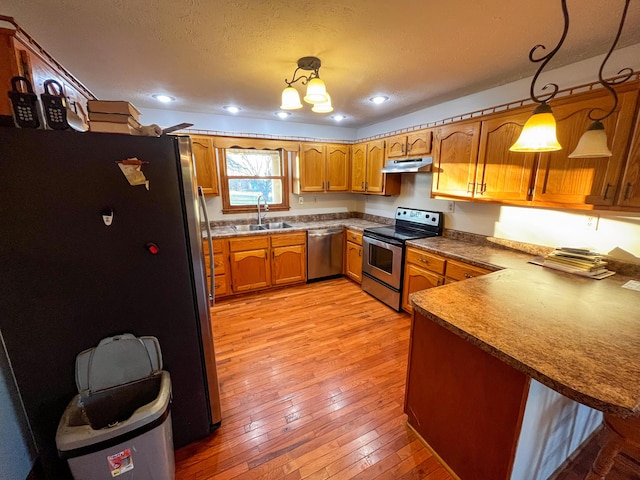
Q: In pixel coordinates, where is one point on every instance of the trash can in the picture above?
(119, 424)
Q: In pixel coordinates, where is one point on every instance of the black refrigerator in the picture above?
(68, 278)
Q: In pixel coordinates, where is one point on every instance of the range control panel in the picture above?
(422, 217)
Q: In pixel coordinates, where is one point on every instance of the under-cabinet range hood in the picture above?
(411, 165)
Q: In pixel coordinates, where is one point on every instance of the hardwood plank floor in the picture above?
(312, 387)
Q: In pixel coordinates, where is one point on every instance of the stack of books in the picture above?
(111, 116)
(580, 261)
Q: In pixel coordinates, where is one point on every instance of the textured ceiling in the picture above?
(210, 53)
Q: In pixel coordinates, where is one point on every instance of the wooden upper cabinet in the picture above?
(409, 145)
(20, 56)
(501, 174)
(337, 168)
(324, 168)
(375, 162)
(358, 167)
(312, 167)
(205, 162)
(629, 194)
(454, 159)
(564, 181)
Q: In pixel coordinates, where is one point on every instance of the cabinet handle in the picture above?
(423, 260)
(328, 185)
(408, 148)
(626, 190)
(362, 186)
(402, 149)
(366, 186)
(470, 187)
(323, 185)
(359, 253)
(606, 191)
(466, 275)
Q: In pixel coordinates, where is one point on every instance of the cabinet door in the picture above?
(455, 155)
(353, 261)
(337, 168)
(629, 195)
(502, 174)
(585, 181)
(419, 143)
(375, 162)
(416, 279)
(396, 146)
(289, 264)
(312, 168)
(358, 167)
(205, 163)
(250, 270)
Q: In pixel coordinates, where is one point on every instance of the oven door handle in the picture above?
(380, 238)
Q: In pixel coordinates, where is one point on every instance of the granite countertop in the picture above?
(578, 336)
(352, 223)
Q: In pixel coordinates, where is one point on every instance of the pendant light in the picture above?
(539, 132)
(316, 93)
(593, 142)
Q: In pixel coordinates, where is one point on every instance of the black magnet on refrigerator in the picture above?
(107, 216)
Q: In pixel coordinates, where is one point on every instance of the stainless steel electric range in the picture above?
(383, 251)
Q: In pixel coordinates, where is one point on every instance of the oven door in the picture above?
(382, 259)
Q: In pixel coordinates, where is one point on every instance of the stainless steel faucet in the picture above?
(266, 208)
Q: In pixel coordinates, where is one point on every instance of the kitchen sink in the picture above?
(275, 225)
(247, 228)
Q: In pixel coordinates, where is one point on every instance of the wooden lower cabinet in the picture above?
(457, 271)
(250, 263)
(259, 262)
(353, 255)
(221, 278)
(289, 258)
(466, 404)
(422, 270)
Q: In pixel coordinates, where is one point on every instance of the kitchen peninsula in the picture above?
(477, 344)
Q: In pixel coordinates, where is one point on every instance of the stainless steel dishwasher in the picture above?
(324, 252)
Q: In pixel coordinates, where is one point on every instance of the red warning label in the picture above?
(120, 462)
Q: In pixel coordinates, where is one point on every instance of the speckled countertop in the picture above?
(353, 223)
(578, 336)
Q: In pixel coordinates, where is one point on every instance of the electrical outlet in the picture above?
(591, 222)
(301, 200)
(451, 207)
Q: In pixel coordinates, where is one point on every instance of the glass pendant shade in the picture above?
(290, 99)
(316, 91)
(593, 143)
(539, 133)
(325, 107)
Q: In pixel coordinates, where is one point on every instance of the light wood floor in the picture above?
(312, 384)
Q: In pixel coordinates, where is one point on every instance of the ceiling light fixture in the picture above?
(593, 142)
(232, 108)
(338, 117)
(163, 98)
(378, 99)
(539, 132)
(316, 90)
(282, 114)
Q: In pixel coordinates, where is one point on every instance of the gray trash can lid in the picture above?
(116, 361)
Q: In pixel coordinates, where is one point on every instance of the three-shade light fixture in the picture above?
(316, 93)
(539, 132)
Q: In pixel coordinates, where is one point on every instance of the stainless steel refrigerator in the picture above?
(68, 278)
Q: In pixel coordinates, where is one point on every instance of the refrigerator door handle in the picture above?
(210, 287)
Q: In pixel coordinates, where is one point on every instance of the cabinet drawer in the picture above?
(248, 243)
(218, 246)
(354, 236)
(286, 239)
(426, 260)
(462, 271)
(220, 285)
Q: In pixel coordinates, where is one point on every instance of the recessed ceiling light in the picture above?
(163, 98)
(338, 117)
(232, 108)
(283, 115)
(378, 99)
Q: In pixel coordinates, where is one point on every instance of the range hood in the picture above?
(411, 165)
